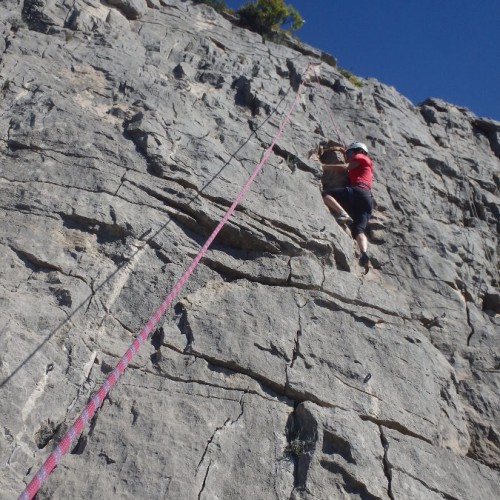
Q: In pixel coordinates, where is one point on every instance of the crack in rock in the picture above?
(228, 422)
(395, 426)
(387, 466)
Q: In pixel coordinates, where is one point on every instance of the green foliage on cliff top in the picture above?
(262, 16)
(265, 16)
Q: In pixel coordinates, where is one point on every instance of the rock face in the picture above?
(127, 128)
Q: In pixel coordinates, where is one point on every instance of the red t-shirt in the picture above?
(363, 172)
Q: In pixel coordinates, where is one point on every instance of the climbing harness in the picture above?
(97, 399)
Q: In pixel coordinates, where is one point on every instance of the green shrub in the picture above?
(266, 16)
(352, 78)
(295, 448)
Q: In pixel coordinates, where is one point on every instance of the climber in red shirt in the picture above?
(353, 204)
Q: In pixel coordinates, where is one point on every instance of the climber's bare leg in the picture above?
(332, 203)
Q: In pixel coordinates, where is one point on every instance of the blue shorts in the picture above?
(357, 202)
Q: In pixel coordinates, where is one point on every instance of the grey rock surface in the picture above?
(282, 370)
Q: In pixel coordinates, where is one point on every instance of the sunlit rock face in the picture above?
(282, 370)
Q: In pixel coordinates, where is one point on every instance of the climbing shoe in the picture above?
(364, 260)
(344, 218)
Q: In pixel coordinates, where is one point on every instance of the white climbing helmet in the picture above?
(357, 145)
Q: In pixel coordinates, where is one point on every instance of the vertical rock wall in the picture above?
(127, 128)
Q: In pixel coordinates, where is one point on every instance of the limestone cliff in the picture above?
(127, 127)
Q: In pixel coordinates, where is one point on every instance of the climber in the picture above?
(353, 203)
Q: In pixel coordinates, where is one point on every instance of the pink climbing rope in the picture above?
(334, 123)
(97, 399)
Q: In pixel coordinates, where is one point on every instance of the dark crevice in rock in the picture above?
(182, 201)
(45, 433)
(106, 458)
(34, 16)
(33, 262)
(429, 323)
(180, 311)
(294, 76)
(234, 366)
(164, 375)
(216, 431)
(106, 233)
(302, 436)
(335, 445)
(351, 485)
(231, 234)
(246, 98)
(83, 439)
(326, 83)
(185, 329)
(302, 396)
(341, 259)
(162, 256)
(483, 437)
(471, 326)
(273, 350)
(396, 426)
(204, 480)
(360, 303)
(491, 301)
(290, 273)
(386, 464)
(120, 322)
(158, 337)
(293, 161)
(285, 230)
(430, 488)
(491, 130)
(215, 368)
(242, 408)
(219, 44)
(418, 278)
(122, 181)
(29, 209)
(355, 388)
(230, 273)
(165, 196)
(196, 220)
(17, 145)
(62, 295)
(275, 387)
(217, 81)
(80, 445)
(333, 306)
(441, 168)
(219, 429)
(296, 347)
(294, 447)
(69, 352)
(135, 413)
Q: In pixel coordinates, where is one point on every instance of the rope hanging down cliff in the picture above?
(334, 123)
(97, 399)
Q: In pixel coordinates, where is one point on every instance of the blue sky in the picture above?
(448, 49)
